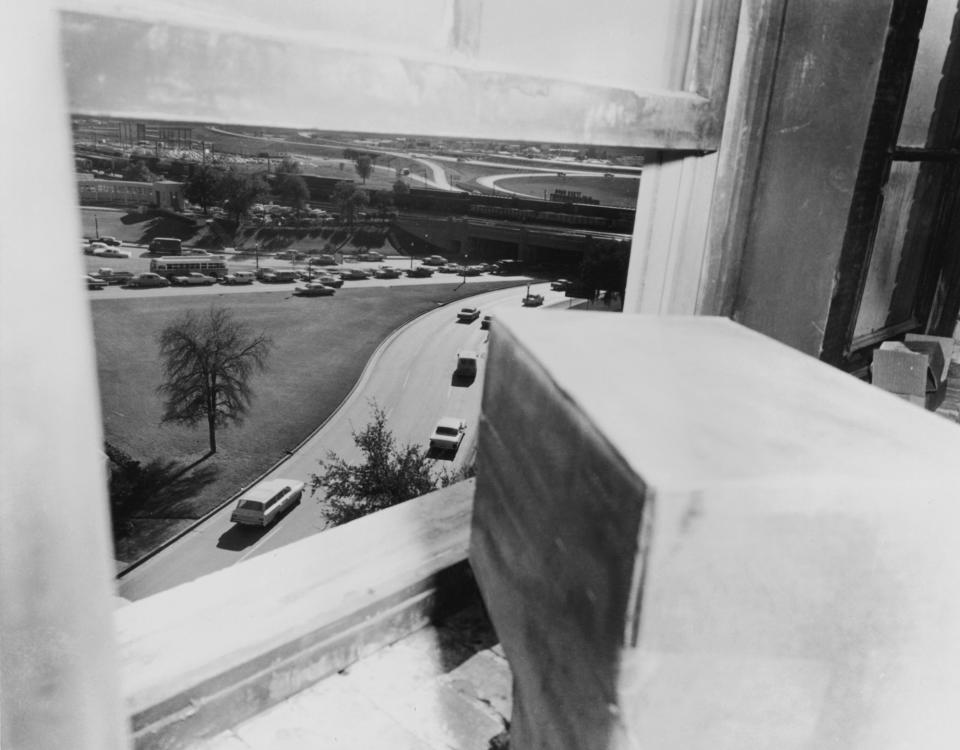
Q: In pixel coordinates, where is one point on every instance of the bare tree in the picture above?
(208, 359)
(364, 166)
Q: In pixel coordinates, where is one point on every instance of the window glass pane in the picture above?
(927, 74)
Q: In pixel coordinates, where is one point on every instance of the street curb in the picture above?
(364, 376)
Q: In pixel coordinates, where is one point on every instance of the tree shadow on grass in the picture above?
(159, 489)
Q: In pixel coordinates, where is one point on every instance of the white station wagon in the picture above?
(263, 503)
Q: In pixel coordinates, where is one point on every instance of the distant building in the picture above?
(572, 196)
(159, 194)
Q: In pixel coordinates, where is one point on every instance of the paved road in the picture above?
(410, 377)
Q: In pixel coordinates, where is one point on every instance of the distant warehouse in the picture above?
(159, 194)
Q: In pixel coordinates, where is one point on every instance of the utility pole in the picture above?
(96, 224)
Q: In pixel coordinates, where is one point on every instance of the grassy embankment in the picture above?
(318, 356)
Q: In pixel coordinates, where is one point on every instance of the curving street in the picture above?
(411, 378)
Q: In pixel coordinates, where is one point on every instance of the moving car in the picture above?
(448, 434)
(262, 504)
(95, 282)
(314, 289)
(107, 240)
(435, 260)
(561, 285)
(466, 364)
(533, 300)
(111, 252)
(195, 278)
(147, 280)
(468, 314)
(485, 323)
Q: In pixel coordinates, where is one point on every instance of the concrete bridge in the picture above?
(462, 238)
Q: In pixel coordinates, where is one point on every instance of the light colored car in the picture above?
(468, 314)
(328, 279)
(314, 289)
(114, 277)
(262, 504)
(195, 278)
(95, 282)
(435, 260)
(387, 273)
(448, 434)
(111, 252)
(95, 248)
(323, 260)
(147, 280)
(238, 277)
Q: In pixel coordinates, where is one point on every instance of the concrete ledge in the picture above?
(203, 656)
(691, 536)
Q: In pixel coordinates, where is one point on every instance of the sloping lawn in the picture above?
(316, 360)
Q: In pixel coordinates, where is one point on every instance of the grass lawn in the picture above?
(316, 360)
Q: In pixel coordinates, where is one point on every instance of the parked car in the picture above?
(485, 323)
(448, 434)
(323, 260)
(95, 248)
(107, 240)
(314, 289)
(238, 277)
(262, 504)
(450, 268)
(147, 280)
(370, 255)
(435, 260)
(114, 277)
(95, 282)
(289, 255)
(353, 274)
(195, 278)
(420, 272)
(532, 300)
(278, 276)
(111, 252)
(328, 280)
(468, 314)
(387, 273)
